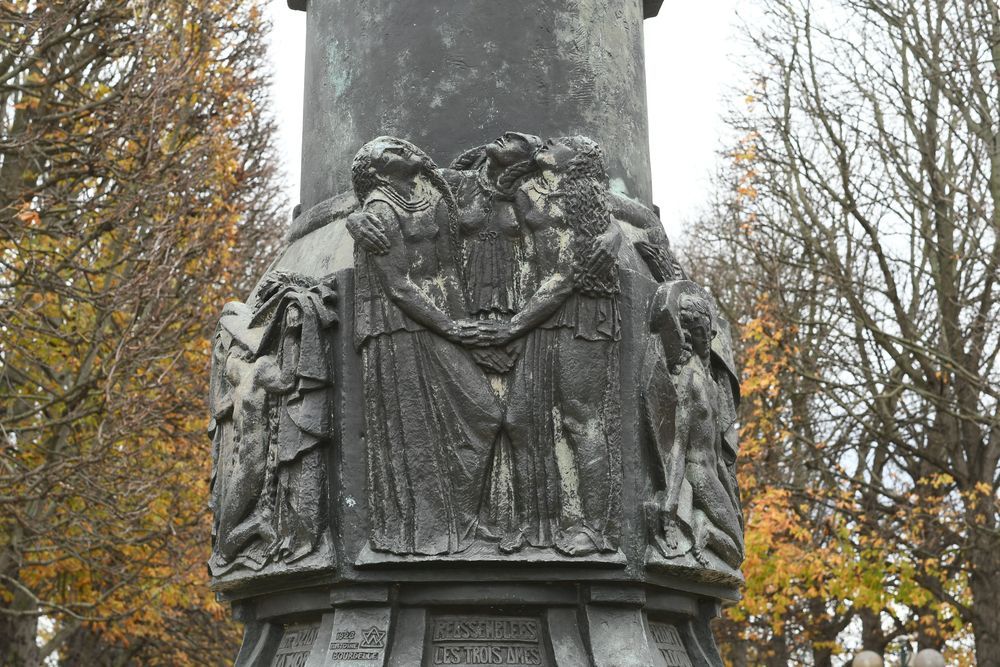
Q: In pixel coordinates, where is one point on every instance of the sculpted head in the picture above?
(387, 160)
(698, 323)
(554, 155)
(512, 148)
(578, 156)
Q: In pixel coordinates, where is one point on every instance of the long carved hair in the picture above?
(470, 159)
(694, 309)
(366, 177)
(585, 184)
(513, 175)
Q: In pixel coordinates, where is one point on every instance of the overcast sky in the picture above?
(690, 72)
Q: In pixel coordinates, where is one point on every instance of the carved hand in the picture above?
(267, 374)
(366, 230)
(492, 333)
(656, 259)
(514, 349)
(603, 251)
(494, 360)
(464, 332)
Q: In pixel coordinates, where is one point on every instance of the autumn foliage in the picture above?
(137, 194)
(856, 239)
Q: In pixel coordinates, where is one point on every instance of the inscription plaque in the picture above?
(296, 645)
(671, 648)
(465, 641)
(359, 637)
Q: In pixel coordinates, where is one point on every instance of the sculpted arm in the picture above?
(555, 287)
(277, 374)
(392, 268)
(677, 460)
(634, 213)
(369, 231)
(452, 177)
(366, 230)
(603, 251)
(655, 249)
(551, 294)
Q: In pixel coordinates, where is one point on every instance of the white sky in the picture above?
(690, 72)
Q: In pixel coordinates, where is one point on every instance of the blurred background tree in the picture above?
(138, 193)
(855, 238)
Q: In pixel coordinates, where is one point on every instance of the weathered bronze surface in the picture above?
(475, 414)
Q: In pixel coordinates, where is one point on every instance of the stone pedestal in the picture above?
(348, 401)
(464, 624)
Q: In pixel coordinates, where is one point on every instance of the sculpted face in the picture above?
(552, 156)
(511, 148)
(293, 316)
(399, 162)
(700, 336)
(696, 318)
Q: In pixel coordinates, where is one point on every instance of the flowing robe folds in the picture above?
(431, 419)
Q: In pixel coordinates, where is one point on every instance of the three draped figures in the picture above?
(489, 304)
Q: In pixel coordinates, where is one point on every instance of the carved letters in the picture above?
(297, 643)
(360, 637)
(463, 641)
(669, 645)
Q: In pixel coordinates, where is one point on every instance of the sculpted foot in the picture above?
(576, 545)
(513, 543)
(485, 532)
(698, 549)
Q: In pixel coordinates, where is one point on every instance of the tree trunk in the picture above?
(18, 635)
(729, 639)
(738, 653)
(872, 635)
(84, 648)
(779, 656)
(984, 580)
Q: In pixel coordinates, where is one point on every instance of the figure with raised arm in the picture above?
(296, 315)
(697, 461)
(495, 259)
(489, 243)
(563, 415)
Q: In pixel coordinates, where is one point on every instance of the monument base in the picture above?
(465, 625)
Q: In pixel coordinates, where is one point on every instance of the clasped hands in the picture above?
(481, 333)
(488, 339)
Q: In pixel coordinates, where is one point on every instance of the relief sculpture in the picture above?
(563, 415)
(691, 395)
(483, 180)
(488, 302)
(491, 261)
(487, 317)
(271, 414)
